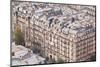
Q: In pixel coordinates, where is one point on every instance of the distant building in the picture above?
(24, 56)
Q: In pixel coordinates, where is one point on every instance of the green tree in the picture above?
(19, 37)
(60, 60)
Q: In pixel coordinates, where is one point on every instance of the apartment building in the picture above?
(57, 34)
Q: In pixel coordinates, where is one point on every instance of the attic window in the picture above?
(73, 19)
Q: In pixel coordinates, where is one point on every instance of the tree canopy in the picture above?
(19, 37)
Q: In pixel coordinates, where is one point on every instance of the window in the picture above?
(64, 42)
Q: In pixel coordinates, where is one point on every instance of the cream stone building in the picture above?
(60, 32)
